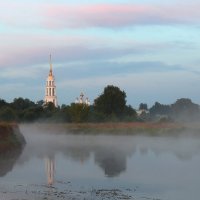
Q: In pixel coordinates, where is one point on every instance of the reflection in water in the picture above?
(110, 152)
(50, 170)
(113, 162)
(8, 160)
(162, 166)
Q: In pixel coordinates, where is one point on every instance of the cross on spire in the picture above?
(51, 70)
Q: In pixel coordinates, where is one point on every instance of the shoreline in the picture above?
(114, 128)
(15, 138)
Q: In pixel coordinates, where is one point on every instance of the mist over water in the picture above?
(144, 166)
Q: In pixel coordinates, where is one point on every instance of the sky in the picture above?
(148, 48)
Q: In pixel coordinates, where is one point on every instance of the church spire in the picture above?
(50, 94)
(51, 71)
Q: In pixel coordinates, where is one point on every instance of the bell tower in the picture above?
(50, 92)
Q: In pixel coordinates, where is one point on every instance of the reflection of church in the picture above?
(112, 162)
(50, 170)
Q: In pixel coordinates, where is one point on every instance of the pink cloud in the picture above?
(26, 15)
(109, 15)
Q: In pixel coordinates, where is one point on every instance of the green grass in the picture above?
(114, 128)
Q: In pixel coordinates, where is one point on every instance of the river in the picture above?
(56, 165)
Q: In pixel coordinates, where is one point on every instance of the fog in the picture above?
(110, 151)
(162, 165)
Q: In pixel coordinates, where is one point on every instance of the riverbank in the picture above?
(124, 127)
(120, 128)
(10, 137)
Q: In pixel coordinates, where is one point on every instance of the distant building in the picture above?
(143, 114)
(50, 91)
(142, 111)
(82, 100)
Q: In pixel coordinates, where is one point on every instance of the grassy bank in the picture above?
(126, 128)
(113, 128)
(10, 137)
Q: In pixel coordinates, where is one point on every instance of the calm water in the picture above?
(63, 166)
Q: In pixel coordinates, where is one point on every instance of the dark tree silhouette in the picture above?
(184, 109)
(159, 109)
(111, 101)
(143, 106)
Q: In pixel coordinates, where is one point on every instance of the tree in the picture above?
(159, 109)
(21, 104)
(184, 105)
(40, 103)
(65, 113)
(143, 106)
(129, 113)
(184, 109)
(111, 101)
(32, 114)
(49, 111)
(3, 103)
(49, 107)
(79, 112)
(29, 115)
(7, 114)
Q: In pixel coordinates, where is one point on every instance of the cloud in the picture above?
(105, 69)
(119, 15)
(23, 51)
(20, 73)
(20, 14)
(110, 15)
(122, 74)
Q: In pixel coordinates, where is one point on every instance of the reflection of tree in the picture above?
(110, 152)
(80, 148)
(78, 153)
(113, 162)
(8, 160)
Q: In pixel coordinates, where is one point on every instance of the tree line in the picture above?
(110, 106)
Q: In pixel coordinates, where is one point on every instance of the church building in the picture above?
(82, 100)
(50, 92)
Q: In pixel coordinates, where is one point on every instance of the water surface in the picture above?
(56, 165)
